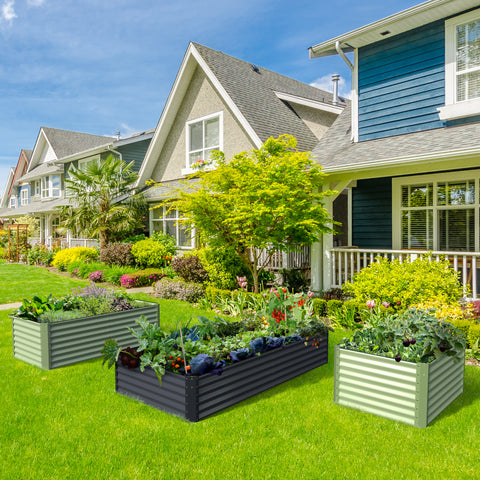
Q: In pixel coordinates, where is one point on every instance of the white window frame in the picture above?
(13, 202)
(435, 179)
(188, 169)
(453, 109)
(24, 196)
(163, 220)
(52, 189)
(82, 163)
(37, 187)
(45, 187)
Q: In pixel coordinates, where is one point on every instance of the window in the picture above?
(51, 186)
(204, 135)
(24, 196)
(168, 222)
(37, 187)
(84, 164)
(55, 226)
(462, 69)
(45, 187)
(13, 202)
(440, 214)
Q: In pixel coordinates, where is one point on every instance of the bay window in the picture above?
(51, 186)
(24, 196)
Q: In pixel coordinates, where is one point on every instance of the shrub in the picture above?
(117, 254)
(178, 289)
(334, 307)
(114, 273)
(406, 284)
(40, 255)
(154, 253)
(190, 268)
(463, 325)
(142, 278)
(96, 276)
(217, 295)
(319, 307)
(295, 280)
(2, 252)
(473, 334)
(222, 265)
(69, 255)
(83, 270)
(134, 238)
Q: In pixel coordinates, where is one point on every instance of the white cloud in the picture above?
(7, 12)
(35, 3)
(325, 83)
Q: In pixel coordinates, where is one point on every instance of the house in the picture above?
(11, 197)
(39, 190)
(407, 152)
(219, 102)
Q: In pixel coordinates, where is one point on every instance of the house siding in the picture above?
(134, 152)
(372, 213)
(200, 100)
(401, 83)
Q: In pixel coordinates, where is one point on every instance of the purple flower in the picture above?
(370, 303)
(385, 304)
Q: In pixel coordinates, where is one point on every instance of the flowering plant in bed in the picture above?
(83, 302)
(280, 319)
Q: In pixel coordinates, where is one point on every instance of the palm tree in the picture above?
(96, 193)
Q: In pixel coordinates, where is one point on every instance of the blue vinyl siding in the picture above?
(372, 213)
(401, 83)
(19, 198)
(134, 152)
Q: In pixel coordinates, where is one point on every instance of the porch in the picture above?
(63, 242)
(342, 263)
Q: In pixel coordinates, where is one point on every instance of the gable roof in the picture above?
(65, 143)
(403, 21)
(338, 154)
(255, 96)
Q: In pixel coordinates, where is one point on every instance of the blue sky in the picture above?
(98, 66)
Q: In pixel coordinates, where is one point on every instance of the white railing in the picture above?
(64, 242)
(289, 260)
(345, 262)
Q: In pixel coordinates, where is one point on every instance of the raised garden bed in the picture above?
(56, 344)
(197, 397)
(411, 393)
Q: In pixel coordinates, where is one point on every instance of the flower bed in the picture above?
(197, 397)
(47, 336)
(407, 368)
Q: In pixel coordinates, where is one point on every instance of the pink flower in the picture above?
(310, 294)
(385, 304)
(370, 303)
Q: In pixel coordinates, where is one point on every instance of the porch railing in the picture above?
(64, 242)
(291, 260)
(347, 261)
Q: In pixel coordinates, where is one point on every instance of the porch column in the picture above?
(42, 230)
(316, 268)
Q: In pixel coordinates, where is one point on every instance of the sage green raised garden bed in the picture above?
(56, 344)
(411, 393)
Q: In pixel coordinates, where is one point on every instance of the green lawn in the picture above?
(70, 424)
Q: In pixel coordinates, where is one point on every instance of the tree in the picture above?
(269, 198)
(96, 193)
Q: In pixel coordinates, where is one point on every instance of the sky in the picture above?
(102, 66)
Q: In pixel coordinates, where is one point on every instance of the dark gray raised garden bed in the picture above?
(56, 344)
(196, 397)
(411, 393)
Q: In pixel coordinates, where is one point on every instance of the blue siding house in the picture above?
(407, 152)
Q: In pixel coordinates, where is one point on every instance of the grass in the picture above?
(70, 424)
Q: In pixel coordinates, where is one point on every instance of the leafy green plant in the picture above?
(51, 316)
(405, 284)
(414, 336)
(154, 252)
(32, 309)
(345, 316)
(69, 255)
(40, 255)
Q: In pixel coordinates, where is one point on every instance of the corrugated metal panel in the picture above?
(144, 386)
(209, 394)
(71, 341)
(372, 214)
(402, 82)
(406, 392)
